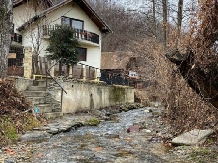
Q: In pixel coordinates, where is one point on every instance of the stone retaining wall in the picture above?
(22, 83)
(84, 95)
(90, 95)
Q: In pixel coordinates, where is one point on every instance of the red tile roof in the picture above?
(115, 60)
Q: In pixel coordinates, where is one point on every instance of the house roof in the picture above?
(115, 60)
(84, 6)
(17, 3)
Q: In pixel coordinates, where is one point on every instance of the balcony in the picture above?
(16, 38)
(82, 35)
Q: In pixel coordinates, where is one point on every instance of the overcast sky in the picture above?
(143, 5)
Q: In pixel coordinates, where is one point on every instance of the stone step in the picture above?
(36, 88)
(43, 108)
(53, 115)
(56, 105)
(39, 83)
(57, 109)
(37, 100)
(35, 93)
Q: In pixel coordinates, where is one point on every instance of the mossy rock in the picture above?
(132, 106)
(92, 122)
(139, 105)
(156, 113)
(125, 108)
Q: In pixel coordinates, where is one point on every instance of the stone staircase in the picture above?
(43, 103)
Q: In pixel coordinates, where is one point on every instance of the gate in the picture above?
(15, 61)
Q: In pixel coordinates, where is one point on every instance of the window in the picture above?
(75, 23)
(65, 21)
(81, 54)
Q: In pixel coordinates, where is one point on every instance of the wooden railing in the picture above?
(78, 71)
(80, 34)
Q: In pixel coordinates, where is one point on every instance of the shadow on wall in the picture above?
(91, 102)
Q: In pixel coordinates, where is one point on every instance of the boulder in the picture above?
(35, 136)
(194, 137)
(133, 128)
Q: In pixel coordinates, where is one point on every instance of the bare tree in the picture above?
(199, 64)
(34, 31)
(154, 18)
(127, 24)
(5, 31)
(179, 20)
(164, 5)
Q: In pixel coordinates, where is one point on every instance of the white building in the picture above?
(33, 19)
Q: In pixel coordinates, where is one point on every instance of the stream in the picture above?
(109, 142)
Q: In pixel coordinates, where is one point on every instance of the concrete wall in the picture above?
(85, 96)
(22, 84)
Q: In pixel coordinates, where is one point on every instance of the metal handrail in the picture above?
(48, 72)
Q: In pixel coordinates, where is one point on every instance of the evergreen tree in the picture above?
(63, 45)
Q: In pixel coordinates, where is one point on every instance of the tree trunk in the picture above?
(198, 65)
(164, 6)
(179, 21)
(203, 83)
(154, 18)
(5, 31)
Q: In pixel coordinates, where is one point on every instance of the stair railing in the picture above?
(48, 73)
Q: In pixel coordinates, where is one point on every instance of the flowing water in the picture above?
(109, 142)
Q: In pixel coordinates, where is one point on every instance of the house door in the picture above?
(15, 61)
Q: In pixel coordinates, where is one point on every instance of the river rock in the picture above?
(133, 128)
(53, 131)
(146, 130)
(148, 110)
(35, 135)
(11, 160)
(193, 137)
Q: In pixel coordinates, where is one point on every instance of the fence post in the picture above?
(28, 62)
(70, 71)
(84, 72)
(98, 74)
(95, 75)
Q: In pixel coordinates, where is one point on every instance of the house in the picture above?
(120, 68)
(34, 19)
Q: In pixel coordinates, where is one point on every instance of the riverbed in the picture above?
(134, 136)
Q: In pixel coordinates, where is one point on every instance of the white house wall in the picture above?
(93, 52)
(21, 14)
(93, 56)
(73, 12)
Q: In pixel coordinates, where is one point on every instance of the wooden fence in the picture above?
(78, 71)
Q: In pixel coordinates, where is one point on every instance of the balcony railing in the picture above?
(78, 71)
(80, 34)
(16, 38)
